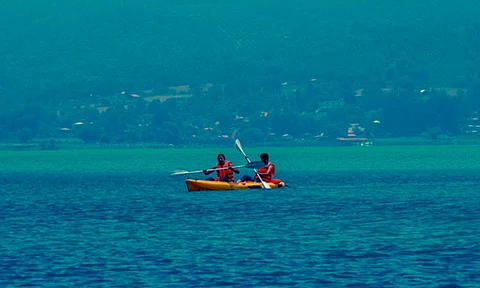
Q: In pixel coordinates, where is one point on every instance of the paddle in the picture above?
(256, 164)
(239, 147)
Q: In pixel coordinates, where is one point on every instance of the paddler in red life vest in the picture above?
(265, 172)
(224, 175)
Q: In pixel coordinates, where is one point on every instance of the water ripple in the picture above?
(364, 230)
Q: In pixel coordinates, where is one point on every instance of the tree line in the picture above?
(256, 112)
(57, 56)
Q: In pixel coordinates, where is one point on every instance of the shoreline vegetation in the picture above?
(75, 144)
(269, 75)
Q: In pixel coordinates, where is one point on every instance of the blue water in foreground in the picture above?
(358, 229)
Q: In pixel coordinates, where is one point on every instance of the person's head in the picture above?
(264, 157)
(221, 158)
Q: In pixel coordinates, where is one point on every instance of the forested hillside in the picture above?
(56, 53)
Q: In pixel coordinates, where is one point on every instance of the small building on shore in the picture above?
(355, 136)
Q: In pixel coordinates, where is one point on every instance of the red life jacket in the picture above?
(225, 172)
(268, 177)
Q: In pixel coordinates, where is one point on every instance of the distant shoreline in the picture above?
(61, 144)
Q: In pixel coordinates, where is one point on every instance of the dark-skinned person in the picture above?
(266, 172)
(224, 175)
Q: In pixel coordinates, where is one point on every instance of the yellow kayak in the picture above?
(204, 185)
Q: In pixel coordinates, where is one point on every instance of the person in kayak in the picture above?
(224, 175)
(265, 172)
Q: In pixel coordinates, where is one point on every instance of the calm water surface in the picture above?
(392, 223)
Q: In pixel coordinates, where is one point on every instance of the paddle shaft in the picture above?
(249, 165)
(239, 146)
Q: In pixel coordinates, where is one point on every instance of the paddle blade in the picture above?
(265, 185)
(255, 164)
(179, 172)
(183, 172)
(239, 146)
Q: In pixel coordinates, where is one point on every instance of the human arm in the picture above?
(270, 169)
(206, 172)
(233, 169)
(267, 171)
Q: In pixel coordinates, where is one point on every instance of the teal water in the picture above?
(382, 217)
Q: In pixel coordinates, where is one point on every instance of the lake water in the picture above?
(352, 217)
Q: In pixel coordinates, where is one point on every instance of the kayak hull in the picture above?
(204, 185)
